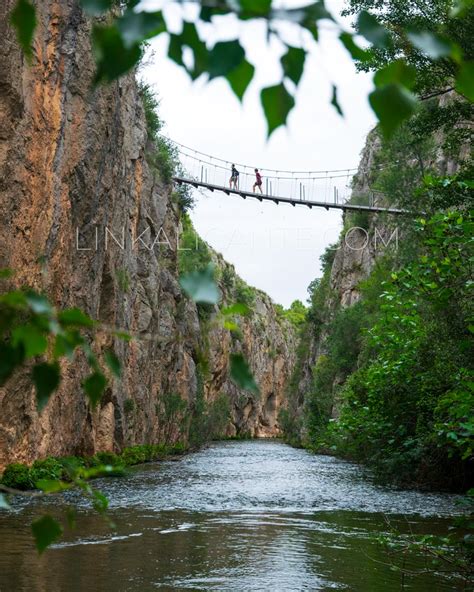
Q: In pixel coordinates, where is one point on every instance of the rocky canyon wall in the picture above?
(267, 340)
(80, 210)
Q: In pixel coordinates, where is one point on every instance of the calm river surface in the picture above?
(238, 516)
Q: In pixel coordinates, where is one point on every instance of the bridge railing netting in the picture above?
(319, 186)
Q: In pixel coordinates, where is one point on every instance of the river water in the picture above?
(237, 516)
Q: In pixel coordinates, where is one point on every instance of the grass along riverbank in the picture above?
(24, 477)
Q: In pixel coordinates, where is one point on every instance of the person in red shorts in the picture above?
(258, 181)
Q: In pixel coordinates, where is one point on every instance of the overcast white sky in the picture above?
(275, 248)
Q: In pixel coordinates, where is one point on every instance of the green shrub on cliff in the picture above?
(244, 294)
(162, 153)
(193, 254)
(17, 476)
(296, 314)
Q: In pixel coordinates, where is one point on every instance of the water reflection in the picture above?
(239, 516)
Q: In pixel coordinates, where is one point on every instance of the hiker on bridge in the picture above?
(258, 181)
(234, 178)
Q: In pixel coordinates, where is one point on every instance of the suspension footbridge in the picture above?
(312, 189)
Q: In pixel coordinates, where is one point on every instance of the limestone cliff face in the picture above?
(269, 343)
(354, 257)
(357, 250)
(80, 213)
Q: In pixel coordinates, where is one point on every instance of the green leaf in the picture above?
(33, 341)
(175, 49)
(94, 385)
(277, 103)
(38, 303)
(306, 16)
(357, 53)
(200, 286)
(123, 335)
(46, 530)
(312, 27)
(4, 505)
(231, 326)
(99, 501)
(431, 44)
(15, 299)
(74, 317)
(392, 104)
(113, 363)
(465, 80)
(52, 486)
(224, 57)
(241, 374)
(239, 78)
(96, 7)
(256, 7)
(23, 20)
(198, 47)
(239, 308)
(397, 72)
(46, 378)
(91, 357)
(136, 27)
(65, 345)
(372, 30)
(293, 63)
(317, 11)
(303, 15)
(461, 7)
(101, 471)
(189, 38)
(113, 57)
(6, 274)
(335, 102)
(10, 358)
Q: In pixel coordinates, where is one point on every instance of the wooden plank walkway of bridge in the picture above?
(290, 200)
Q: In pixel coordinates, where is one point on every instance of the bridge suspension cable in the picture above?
(326, 188)
(246, 166)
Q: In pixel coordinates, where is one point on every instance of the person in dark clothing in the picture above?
(234, 178)
(258, 181)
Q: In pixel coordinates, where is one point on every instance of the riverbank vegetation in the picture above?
(392, 376)
(23, 477)
(393, 384)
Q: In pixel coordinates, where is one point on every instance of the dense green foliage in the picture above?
(393, 374)
(193, 252)
(408, 409)
(413, 46)
(405, 20)
(208, 419)
(23, 477)
(296, 314)
(397, 367)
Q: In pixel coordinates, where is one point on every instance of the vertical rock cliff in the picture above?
(82, 213)
(269, 342)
